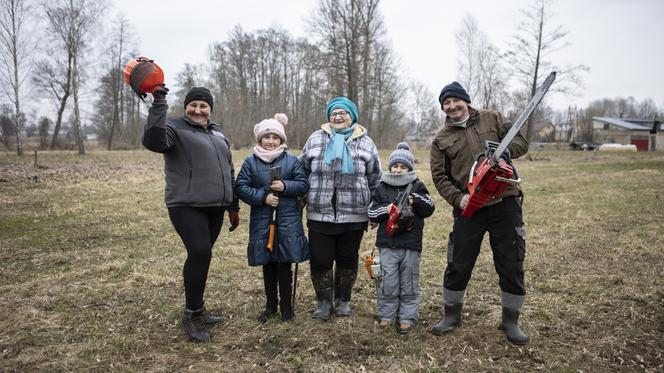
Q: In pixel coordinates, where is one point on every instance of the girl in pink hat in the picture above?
(271, 181)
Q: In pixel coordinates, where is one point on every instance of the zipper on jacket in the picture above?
(189, 181)
(334, 203)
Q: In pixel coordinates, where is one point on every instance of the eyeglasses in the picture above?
(340, 114)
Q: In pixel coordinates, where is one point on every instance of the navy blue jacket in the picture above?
(252, 186)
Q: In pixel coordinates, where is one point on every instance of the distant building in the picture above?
(544, 132)
(645, 134)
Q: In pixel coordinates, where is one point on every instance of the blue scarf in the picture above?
(337, 151)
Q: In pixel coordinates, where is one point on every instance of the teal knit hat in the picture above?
(342, 103)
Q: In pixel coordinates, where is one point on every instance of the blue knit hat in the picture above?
(342, 103)
(453, 89)
(401, 155)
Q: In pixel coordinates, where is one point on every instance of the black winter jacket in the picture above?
(378, 212)
(197, 161)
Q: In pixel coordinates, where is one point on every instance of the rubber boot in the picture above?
(270, 281)
(344, 279)
(286, 292)
(206, 317)
(193, 328)
(323, 285)
(451, 320)
(510, 325)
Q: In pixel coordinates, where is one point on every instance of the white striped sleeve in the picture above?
(376, 212)
(425, 198)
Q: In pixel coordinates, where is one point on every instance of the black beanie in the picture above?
(199, 93)
(453, 89)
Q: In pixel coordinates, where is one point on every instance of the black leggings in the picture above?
(198, 228)
(325, 249)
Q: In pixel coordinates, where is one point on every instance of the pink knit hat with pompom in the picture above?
(275, 125)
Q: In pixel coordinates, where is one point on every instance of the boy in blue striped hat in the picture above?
(399, 291)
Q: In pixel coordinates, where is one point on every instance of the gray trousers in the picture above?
(399, 292)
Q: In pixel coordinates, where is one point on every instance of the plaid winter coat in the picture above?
(335, 197)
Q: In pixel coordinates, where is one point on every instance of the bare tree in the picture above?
(15, 48)
(530, 52)
(53, 73)
(358, 62)
(424, 113)
(254, 75)
(84, 17)
(470, 41)
(190, 76)
(70, 24)
(121, 43)
(647, 109)
(481, 70)
(52, 77)
(7, 127)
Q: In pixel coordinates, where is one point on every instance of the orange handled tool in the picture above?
(270, 237)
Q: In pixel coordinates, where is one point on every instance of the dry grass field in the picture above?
(91, 278)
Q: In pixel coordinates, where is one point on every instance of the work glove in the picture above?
(234, 218)
(160, 92)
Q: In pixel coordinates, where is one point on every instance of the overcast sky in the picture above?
(621, 41)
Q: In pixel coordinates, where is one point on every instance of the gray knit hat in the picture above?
(401, 155)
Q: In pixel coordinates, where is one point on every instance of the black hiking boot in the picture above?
(206, 317)
(193, 328)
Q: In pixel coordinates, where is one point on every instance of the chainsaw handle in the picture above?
(511, 181)
(472, 171)
(516, 174)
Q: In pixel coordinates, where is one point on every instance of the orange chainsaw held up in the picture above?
(491, 174)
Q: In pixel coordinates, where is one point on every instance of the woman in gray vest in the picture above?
(199, 188)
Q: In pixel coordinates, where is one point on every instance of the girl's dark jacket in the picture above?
(422, 207)
(252, 186)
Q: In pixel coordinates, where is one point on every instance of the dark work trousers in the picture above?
(507, 236)
(198, 228)
(343, 248)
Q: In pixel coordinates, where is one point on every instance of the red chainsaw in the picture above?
(491, 174)
(400, 217)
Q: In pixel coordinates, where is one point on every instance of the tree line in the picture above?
(57, 53)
